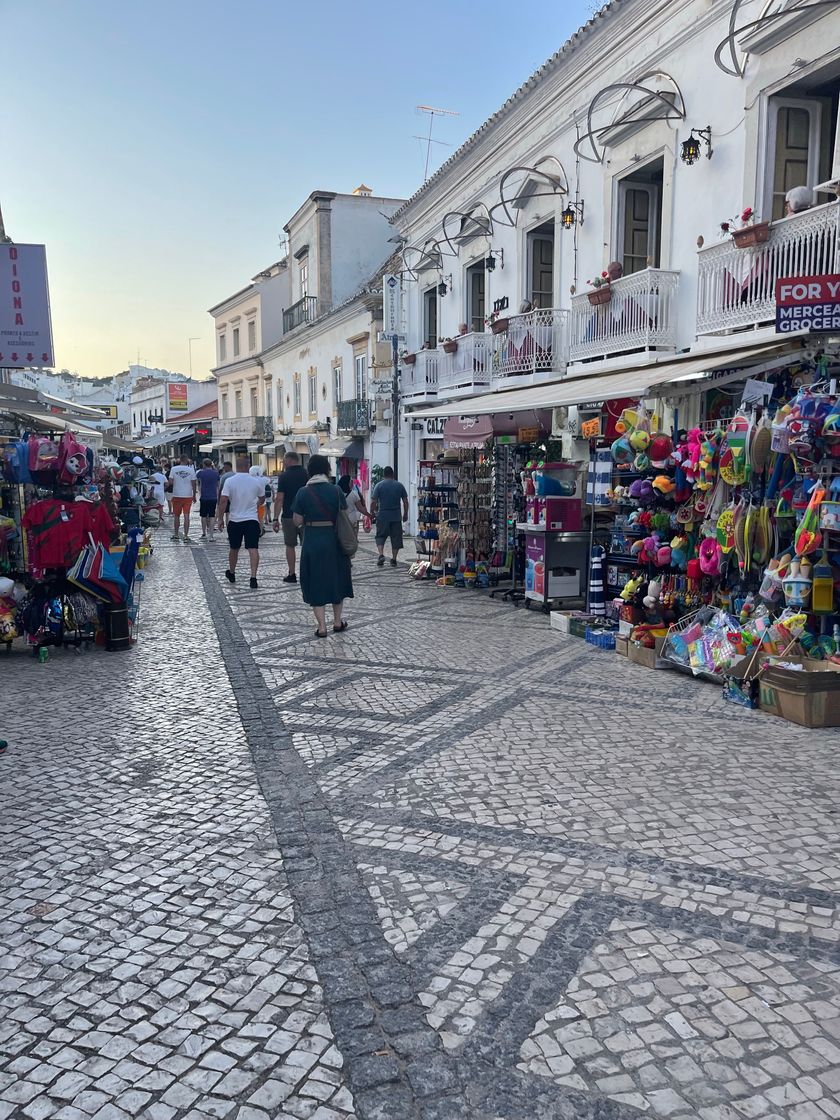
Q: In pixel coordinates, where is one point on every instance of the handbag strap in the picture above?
(323, 508)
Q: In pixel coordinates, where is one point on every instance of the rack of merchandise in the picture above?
(475, 503)
(437, 513)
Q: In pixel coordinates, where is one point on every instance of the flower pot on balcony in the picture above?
(499, 325)
(451, 347)
(409, 359)
(600, 295)
(748, 236)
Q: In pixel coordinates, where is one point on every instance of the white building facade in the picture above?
(157, 401)
(586, 165)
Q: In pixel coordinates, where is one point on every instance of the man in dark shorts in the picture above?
(294, 476)
(208, 481)
(241, 494)
(385, 501)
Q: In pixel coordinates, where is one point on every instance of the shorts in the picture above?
(181, 505)
(386, 528)
(207, 507)
(243, 531)
(292, 534)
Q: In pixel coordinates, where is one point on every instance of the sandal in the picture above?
(318, 634)
(340, 629)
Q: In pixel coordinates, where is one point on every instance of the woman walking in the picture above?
(324, 566)
(356, 508)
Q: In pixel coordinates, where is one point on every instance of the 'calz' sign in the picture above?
(808, 302)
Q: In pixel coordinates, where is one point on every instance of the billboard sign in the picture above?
(177, 391)
(808, 302)
(25, 327)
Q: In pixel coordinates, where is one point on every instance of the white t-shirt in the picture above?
(244, 493)
(182, 476)
(353, 499)
(159, 479)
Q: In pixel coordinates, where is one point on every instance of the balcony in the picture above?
(420, 380)
(469, 368)
(641, 315)
(736, 288)
(354, 416)
(304, 311)
(244, 427)
(534, 346)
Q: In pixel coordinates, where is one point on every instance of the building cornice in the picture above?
(231, 301)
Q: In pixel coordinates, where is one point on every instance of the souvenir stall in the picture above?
(67, 578)
(724, 540)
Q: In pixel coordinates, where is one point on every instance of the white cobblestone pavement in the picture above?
(447, 864)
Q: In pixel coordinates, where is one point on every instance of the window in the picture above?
(222, 348)
(253, 398)
(237, 403)
(297, 396)
(476, 288)
(337, 397)
(541, 266)
(312, 393)
(303, 277)
(639, 234)
(279, 392)
(235, 341)
(360, 370)
(430, 327)
(224, 406)
(252, 335)
(794, 150)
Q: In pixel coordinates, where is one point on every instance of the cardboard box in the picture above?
(621, 646)
(639, 655)
(809, 698)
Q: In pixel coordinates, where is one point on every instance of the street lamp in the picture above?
(572, 214)
(690, 151)
(190, 341)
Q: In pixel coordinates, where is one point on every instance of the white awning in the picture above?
(664, 376)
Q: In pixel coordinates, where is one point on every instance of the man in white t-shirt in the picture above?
(241, 495)
(182, 478)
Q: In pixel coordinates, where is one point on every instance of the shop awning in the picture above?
(159, 439)
(353, 450)
(665, 376)
(51, 421)
(468, 431)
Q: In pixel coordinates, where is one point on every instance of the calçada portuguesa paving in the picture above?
(448, 864)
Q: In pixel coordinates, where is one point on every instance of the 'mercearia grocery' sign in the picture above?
(808, 302)
(25, 328)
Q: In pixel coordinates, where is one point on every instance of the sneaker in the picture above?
(380, 563)
(290, 578)
(230, 576)
(204, 536)
(174, 537)
(187, 540)
(211, 538)
(253, 584)
(393, 561)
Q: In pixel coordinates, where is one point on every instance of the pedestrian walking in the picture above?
(208, 481)
(158, 480)
(385, 501)
(183, 482)
(257, 472)
(241, 495)
(289, 483)
(227, 472)
(356, 508)
(324, 566)
(166, 467)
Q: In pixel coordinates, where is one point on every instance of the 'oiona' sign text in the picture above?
(25, 329)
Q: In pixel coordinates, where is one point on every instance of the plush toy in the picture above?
(651, 600)
(642, 492)
(660, 450)
(706, 464)
(663, 556)
(664, 485)
(679, 551)
(710, 557)
(632, 588)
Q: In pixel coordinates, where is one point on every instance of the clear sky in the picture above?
(158, 148)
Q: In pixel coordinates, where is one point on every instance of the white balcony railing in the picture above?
(641, 315)
(470, 366)
(534, 343)
(421, 378)
(737, 287)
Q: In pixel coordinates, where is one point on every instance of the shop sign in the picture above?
(177, 396)
(811, 302)
(109, 410)
(591, 429)
(527, 435)
(590, 406)
(391, 309)
(201, 433)
(25, 327)
(435, 426)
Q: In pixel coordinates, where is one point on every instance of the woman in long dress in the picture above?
(324, 566)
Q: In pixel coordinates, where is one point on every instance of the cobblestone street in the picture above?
(450, 864)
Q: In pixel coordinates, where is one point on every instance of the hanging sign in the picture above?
(391, 309)
(177, 396)
(25, 327)
(591, 429)
(808, 302)
(527, 435)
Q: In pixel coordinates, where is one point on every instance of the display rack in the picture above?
(437, 511)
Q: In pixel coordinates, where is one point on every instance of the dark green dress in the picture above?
(324, 566)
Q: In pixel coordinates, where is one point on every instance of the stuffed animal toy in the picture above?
(651, 600)
(664, 485)
(706, 463)
(679, 551)
(710, 557)
(660, 450)
(642, 492)
(631, 589)
(663, 556)
(641, 462)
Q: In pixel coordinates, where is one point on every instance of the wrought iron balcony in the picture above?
(420, 378)
(737, 287)
(641, 314)
(354, 416)
(470, 366)
(304, 311)
(536, 343)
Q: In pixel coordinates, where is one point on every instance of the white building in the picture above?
(582, 166)
(312, 371)
(156, 401)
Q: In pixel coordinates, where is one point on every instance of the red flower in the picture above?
(725, 226)
(747, 214)
(604, 274)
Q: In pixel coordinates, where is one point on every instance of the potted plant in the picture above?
(601, 290)
(450, 345)
(496, 322)
(750, 232)
(408, 359)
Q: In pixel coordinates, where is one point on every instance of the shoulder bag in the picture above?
(344, 530)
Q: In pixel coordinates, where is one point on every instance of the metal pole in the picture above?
(395, 403)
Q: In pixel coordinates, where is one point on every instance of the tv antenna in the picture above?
(428, 139)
